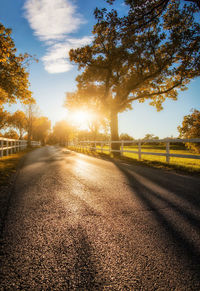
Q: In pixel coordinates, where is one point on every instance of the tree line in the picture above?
(29, 124)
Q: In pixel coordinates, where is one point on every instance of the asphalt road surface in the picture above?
(76, 222)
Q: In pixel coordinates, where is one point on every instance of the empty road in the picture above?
(75, 222)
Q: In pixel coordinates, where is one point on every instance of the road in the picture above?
(76, 222)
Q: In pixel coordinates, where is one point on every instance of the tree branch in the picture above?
(147, 96)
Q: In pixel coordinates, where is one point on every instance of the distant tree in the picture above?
(18, 121)
(128, 62)
(41, 129)
(11, 134)
(61, 132)
(4, 117)
(125, 136)
(190, 128)
(83, 135)
(86, 99)
(150, 136)
(14, 84)
(31, 112)
(86, 135)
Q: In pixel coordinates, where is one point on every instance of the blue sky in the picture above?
(48, 29)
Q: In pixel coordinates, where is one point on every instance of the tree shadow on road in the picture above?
(86, 276)
(173, 217)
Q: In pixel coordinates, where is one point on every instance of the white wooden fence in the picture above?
(100, 145)
(10, 146)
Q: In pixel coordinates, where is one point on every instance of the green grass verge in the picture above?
(8, 166)
(190, 166)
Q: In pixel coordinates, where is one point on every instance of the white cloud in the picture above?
(52, 21)
(56, 60)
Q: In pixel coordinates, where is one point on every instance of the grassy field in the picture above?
(188, 165)
(191, 163)
(8, 166)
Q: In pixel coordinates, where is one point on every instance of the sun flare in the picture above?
(81, 118)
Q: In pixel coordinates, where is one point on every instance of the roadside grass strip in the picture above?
(177, 163)
(192, 164)
(8, 166)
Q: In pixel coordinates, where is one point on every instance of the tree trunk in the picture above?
(29, 137)
(114, 131)
(20, 133)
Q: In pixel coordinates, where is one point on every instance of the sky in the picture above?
(48, 29)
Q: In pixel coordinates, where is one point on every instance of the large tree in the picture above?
(14, 84)
(128, 61)
(147, 10)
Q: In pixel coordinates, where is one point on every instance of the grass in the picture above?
(179, 164)
(192, 164)
(8, 166)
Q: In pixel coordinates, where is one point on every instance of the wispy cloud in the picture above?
(52, 21)
(56, 60)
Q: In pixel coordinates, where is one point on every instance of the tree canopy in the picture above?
(190, 128)
(11, 133)
(61, 132)
(125, 136)
(41, 129)
(129, 62)
(18, 121)
(14, 84)
(4, 118)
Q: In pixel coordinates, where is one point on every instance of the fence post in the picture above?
(139, 150)
(122, 147)
(11, 145)
(2, 143)
(167, 152)
(7, 151)
(110, 145)
(102, 147)
(95, 145)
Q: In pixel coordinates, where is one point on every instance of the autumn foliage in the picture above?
(190, 128)
(14, 84)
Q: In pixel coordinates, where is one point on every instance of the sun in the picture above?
(81, 118)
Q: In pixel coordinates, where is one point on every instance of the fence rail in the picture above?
(10, 146)
(93, 145)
